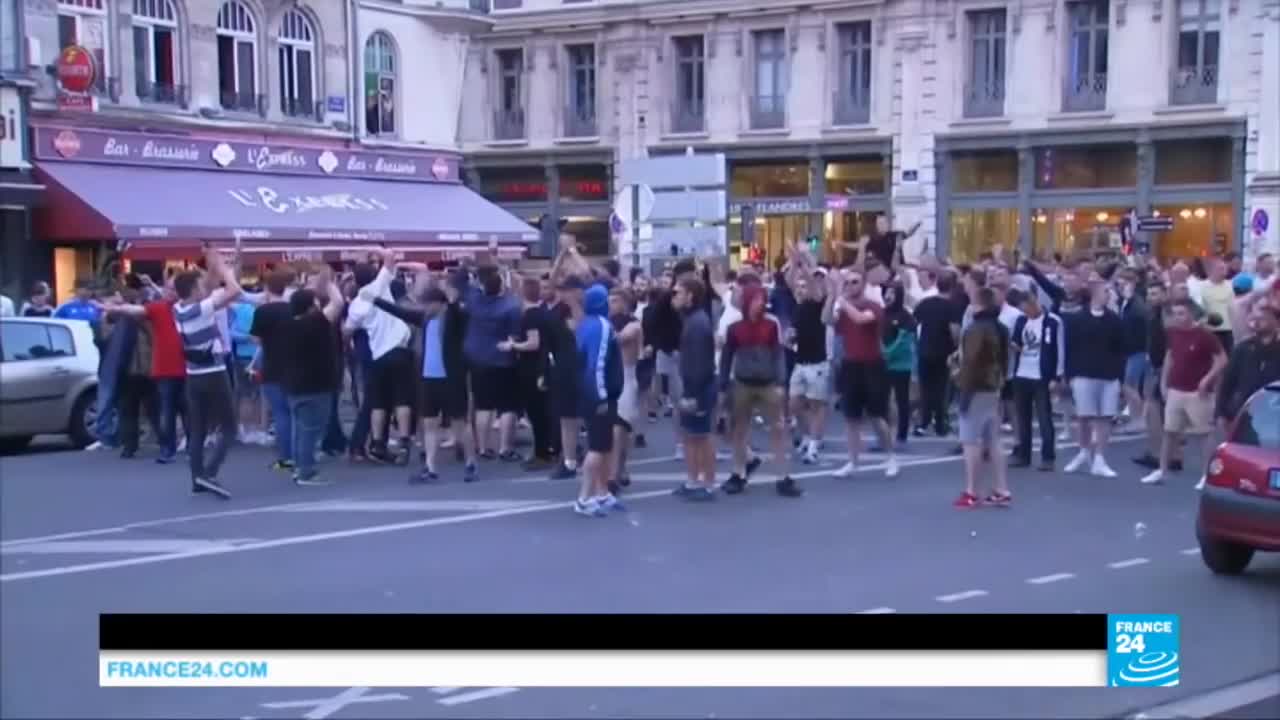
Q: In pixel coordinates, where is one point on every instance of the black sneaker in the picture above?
(920, 432)
(615, 488)
(487, 455)
(210, 485)
(381, 455)
(788, 487)
(624, 480)
(735, 484)
(1045, 466)
(469, 473)
(283, 465)
(653, 417)
(1175, 466)
(1148, 461)
(422, 477)
(753, 464)
(640, 441)
(564, 472)
(1018, 462)
(722, 427)
(128, 454)
(511, 456)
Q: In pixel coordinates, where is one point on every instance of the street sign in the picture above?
(1155, 224)
(622, 205)
(692, 206)
(674, 171)
(1260, 221)
(678, 201)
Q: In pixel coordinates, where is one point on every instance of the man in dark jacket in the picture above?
(1038, 364)
(1134, 315)
(1096, 350)
(1253, 364)
(984, 357)
(698, 386)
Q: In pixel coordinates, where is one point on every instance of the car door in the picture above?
(34, 377)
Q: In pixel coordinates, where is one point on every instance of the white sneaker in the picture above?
(1076, 465)
(1200, 485)
(847, 470)
(1101, 468)
(679, 452)
(891, 467)
(94, 446)
(1155, 477)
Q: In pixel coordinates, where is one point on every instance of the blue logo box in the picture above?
(1143, 650)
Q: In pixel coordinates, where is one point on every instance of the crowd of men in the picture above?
(461, 358)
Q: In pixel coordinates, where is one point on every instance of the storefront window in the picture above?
(976, 232)
(772, 234)
(845, 227)
(1198, 231)
(514, 184)
(1087, 166)
(592, 236)
(859, 176)
(1074, 231)
(769, 179)
(984, 171)
(584, 183)
(1187, 162)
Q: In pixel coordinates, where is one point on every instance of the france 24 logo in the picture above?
(1143, 650)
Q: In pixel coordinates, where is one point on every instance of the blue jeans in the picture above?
(172, 399)
(278, 402)
(335, 440)
(310, 418)
(364, 417)
(106, 425)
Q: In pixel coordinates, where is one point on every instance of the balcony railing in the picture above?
(508, 124)
(984, 99)
(1085, 93)
(238, 101)
(301, 108)
(162, 93)
(688, 115)
(768, 112)
(851, 109)
(580, 122)
(1194, 85)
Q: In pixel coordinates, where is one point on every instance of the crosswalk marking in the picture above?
(145, 546)
(481, 694)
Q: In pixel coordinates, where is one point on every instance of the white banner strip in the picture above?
(607, 668)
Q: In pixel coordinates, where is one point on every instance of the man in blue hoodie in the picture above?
(599, 389)
(493, 326)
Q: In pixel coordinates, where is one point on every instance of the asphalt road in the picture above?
(85, 533)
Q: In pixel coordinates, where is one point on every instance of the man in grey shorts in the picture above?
(983, 363)
(1096, 352)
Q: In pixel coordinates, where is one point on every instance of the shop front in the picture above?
(20, 262)
(1069, 193)
(571, 193)
(161, 197)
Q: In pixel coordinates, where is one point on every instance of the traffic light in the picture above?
(813, 243)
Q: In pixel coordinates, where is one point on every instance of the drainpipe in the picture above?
(354, 56)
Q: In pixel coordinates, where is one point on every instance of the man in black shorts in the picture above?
(493, 325)
(564, 372)
(600, 385)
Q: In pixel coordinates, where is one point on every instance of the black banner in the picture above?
(602, 632)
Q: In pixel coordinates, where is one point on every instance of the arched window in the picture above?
(155, 57)
(237, 57)
(380, 85)
(297, 65)
(84, 23)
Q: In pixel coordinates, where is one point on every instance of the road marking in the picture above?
(1219, 701)
(324, 707)
(120, 547)
(1190, 551)
(1046, 579)
(483, 694)
(443, 690)
(1131, 562)
(957, 597)
(411, 506)
(878, 611)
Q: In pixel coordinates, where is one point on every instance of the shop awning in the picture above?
(155, 212)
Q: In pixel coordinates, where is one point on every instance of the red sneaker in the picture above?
(966, 500)
(1002, 500)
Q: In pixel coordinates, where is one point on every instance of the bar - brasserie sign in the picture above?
(131, 148)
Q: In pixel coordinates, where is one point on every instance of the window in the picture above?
(977, 232)
(380, 85)
(35, 341)
(297, 65)
(769, 105)
(1189, 162)
(780, 179)
(853, 99)
(857, 176)
(1259, 422)
(1067, 231)
(237, 57)
(984, 171)
(84, 23)
(1195, 79)
(1086, 166)
(1199, 229)
(584, 183)
(1087, 56)
(690, 99)
(509, 119)
(984, 95)
(155, 31)
(580, 114)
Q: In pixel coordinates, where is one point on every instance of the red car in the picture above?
(1240, 506)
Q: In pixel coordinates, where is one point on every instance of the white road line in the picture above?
(1131, 562)
(1215, 703)
(322, 708)
(483, 694)
(957, 597)
(878, 611)
(443, 690)
(1046, 579)
(358, 506)
(120, 547)
(1190, 551)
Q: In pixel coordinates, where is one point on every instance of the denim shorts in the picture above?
(1136, 368)
(698, 422)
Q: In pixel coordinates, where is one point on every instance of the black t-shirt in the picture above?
(562, 344)
(310, 361)
(268, 326)
(811, 332)
(532, 364)
(883, 246)
(936, 315)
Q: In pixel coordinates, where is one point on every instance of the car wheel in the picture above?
(1225, 558)
(84, 415)
(14, 444)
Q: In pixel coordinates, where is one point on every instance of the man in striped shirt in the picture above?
(210, 403)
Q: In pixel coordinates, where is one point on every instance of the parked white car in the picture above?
(48, 380)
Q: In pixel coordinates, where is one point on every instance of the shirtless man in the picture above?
(630, 336)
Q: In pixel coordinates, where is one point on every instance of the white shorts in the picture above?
(1095, 398)
(629, 400)
(668, 363)
(811, 381)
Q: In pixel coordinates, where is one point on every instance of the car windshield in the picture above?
(1259, 423)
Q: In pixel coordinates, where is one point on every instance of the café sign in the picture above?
(177, 151)
(269, 199)
(76, 72)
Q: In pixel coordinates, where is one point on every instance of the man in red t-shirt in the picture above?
(1193, 361)
(863, 378)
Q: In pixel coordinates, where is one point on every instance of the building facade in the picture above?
(1036, 124)
(19, 192)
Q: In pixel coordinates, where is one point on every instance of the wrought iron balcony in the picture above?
(580, 122)
(1194, 85)
(1085, 93)
(768, 112)
(852, 109)
(688, 115)
(238, 101)
(301, 108)
(162, 93)
(983, 100)
(508, 124)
